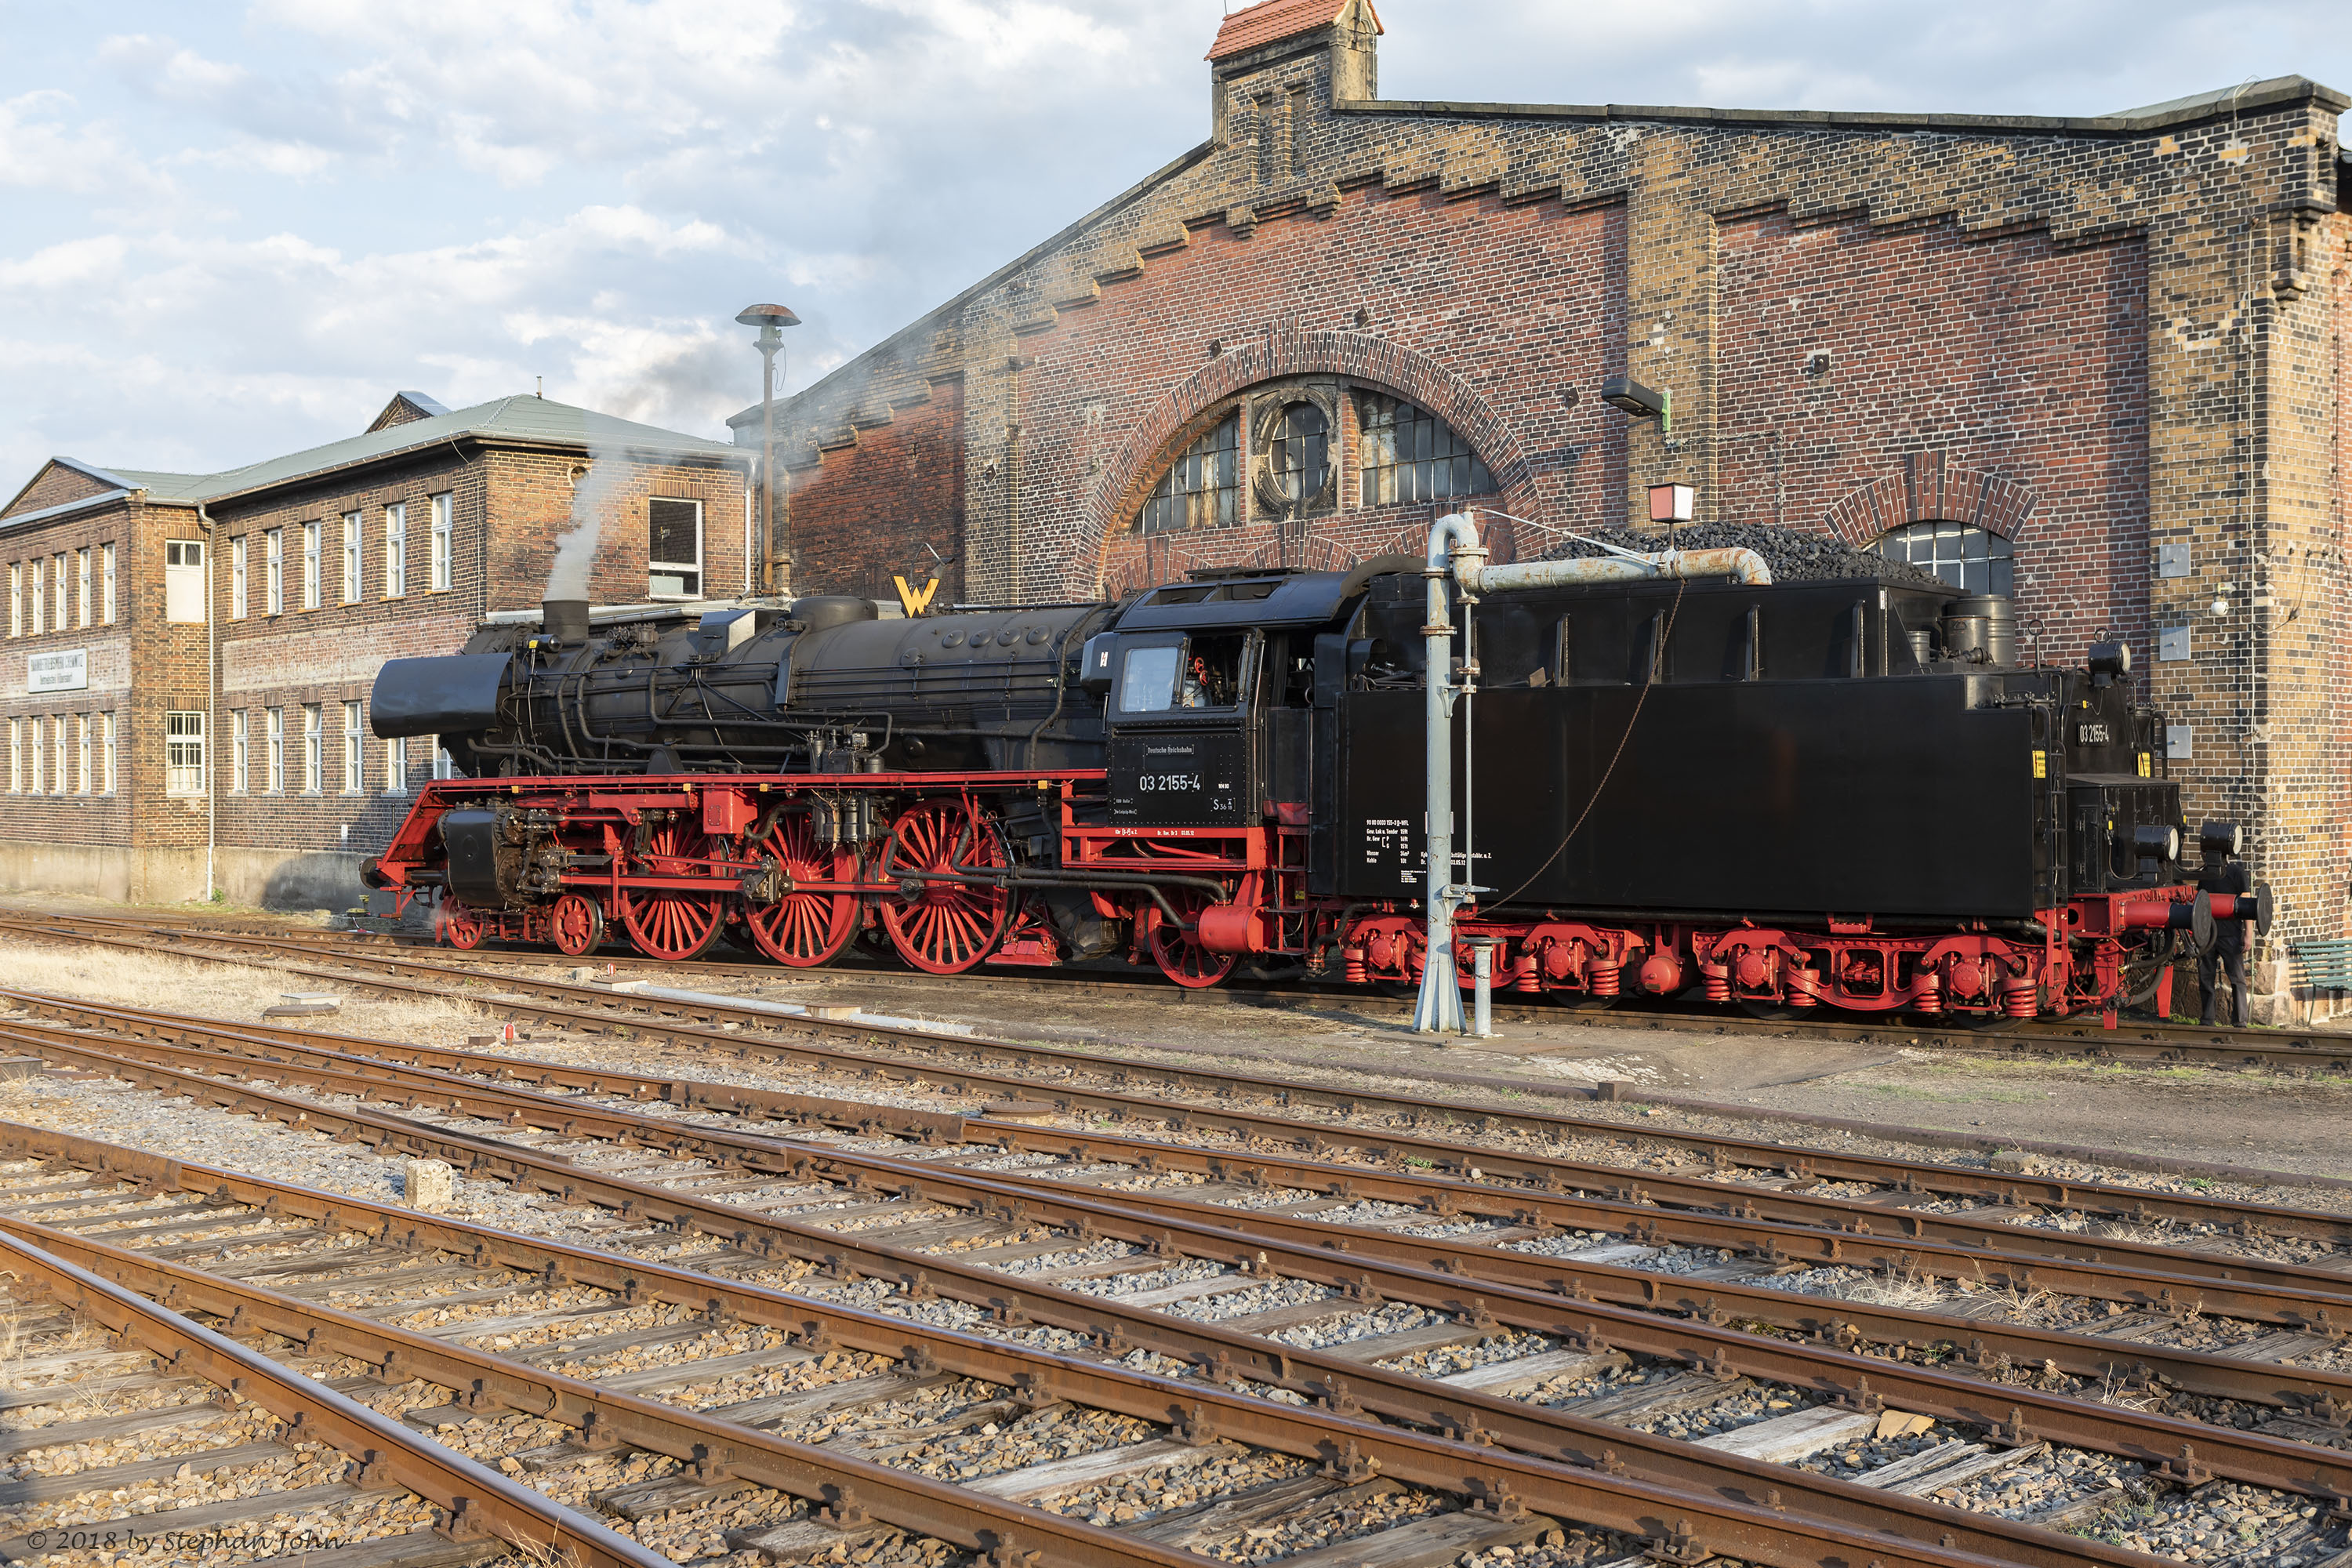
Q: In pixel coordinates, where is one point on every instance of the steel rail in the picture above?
(1338, 1431)
(715, 1447)
(606, 1009)
(2272, 1293)
(2186, 1449)
(2085, 1356)
(1609, 1189)
(476, 1500)
(2137, 1039)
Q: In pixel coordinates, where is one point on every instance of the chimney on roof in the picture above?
(1274, 57)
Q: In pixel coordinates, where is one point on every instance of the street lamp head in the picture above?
(767, 316)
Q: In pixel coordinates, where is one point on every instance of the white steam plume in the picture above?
(592, 488)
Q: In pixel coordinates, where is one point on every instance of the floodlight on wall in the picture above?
(2220, 605)
(1622, 391)
(1672, 504)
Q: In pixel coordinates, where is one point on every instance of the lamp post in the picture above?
(776, 572)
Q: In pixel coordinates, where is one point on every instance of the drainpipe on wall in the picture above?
(212, 729)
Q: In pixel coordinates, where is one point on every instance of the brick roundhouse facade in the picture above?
(234, 625)
(2107, 354)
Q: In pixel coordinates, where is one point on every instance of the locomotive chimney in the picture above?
(566, 620)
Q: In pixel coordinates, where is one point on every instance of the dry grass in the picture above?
(1909, 1290)
(217, 990)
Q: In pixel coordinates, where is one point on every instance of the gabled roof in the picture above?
(1271, 21)
(537, 420)
(103, 482)
(404, 407)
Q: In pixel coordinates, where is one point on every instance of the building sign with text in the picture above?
(67, 669)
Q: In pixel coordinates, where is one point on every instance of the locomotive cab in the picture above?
(1180, 752)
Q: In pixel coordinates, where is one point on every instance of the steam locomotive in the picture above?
(1844, 793)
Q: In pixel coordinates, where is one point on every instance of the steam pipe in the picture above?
(1478, 577)
(1454, 548)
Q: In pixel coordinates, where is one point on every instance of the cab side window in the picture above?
(1147, 679)
(1206, 671)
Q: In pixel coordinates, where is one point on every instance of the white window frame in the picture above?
(35, 569)
(276, 754)
(236, 578)
(314, 757)
(354, 751)
(396, 766)
(60, 610)
(654, 569)
(240, 750)
(82, 754)
(60, 781)
(106, 724)
(351, 558)
(444, 542)
(82, 586)
(396, 551)
(310, 565)
(16, 598)
(274, 593)
(15, 756)
(184, 730)
(106, 558)
(445, 766)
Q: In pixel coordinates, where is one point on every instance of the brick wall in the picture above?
(2005, 358)
(884, 497)
(74, 815)
(2094, 337)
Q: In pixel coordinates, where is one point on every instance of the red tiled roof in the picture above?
(1272, 20)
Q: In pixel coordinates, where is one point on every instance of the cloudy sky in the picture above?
(232, 229)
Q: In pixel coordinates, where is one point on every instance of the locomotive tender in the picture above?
(1845, 793)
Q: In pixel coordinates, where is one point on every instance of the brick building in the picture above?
(2099, 360)
(186, 680)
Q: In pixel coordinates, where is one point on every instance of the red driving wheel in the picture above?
(1177, 949)
(674, 923)
(461, 927)
(803, 929)
(944, 928)
(576, 924)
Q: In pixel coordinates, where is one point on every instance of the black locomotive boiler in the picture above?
(1845, 793)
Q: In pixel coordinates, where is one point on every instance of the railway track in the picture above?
(1074, 1082)
(2134, 1039)
(1523, 1301)
(1298, 1456)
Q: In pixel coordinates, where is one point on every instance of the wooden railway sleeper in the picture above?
(1691, 1224)
(2248, 1457)
(607, 1419)
(2084, 1355)
(2116, 1202)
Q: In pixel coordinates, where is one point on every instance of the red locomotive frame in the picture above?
(801, 864)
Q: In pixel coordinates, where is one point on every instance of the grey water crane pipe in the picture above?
(1452, 543)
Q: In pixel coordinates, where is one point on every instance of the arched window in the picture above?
(1408, 454)
(1299, 447)
(1968, 557)
(1201, 488)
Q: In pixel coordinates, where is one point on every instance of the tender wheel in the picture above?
(803, 930)
(944, 928)
(461, 927)
(1177, 948)
(576, 924)
(673, 923)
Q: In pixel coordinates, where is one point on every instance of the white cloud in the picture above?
(288, 210)
(41, 151)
